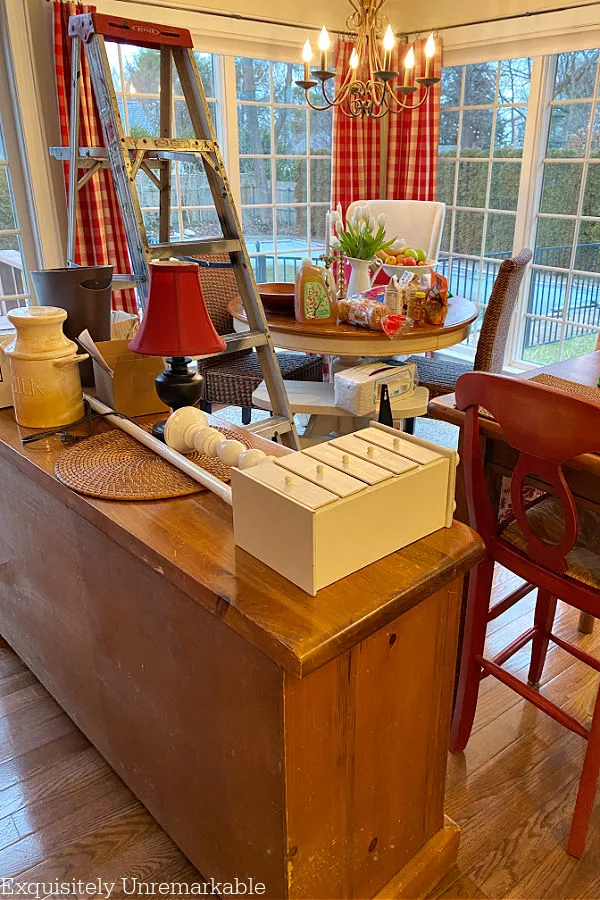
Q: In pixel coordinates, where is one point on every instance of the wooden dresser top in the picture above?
(190, 542)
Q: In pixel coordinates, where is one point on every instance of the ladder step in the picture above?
(194, 248)
(235, 342)
(180, 144)
(269, 427)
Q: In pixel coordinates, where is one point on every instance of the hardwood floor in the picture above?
(64, 814)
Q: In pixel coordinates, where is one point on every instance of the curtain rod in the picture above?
(242, 17)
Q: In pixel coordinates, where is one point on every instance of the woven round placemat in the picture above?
(114, 466)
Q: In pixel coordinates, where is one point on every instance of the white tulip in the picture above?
(381, 220)
(335, 243)
(363, 225)
(338, 210)
(355, 221)
(372, 223)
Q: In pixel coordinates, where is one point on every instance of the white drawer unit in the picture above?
(320, 514)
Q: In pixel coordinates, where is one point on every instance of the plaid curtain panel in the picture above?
(99, 233)
(412, 141)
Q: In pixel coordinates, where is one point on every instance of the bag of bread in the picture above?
(371, 314)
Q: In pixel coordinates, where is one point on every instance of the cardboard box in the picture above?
(131, 389)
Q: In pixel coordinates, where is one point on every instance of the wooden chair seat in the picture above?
(546, 520)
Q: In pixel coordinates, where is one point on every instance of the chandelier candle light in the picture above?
(374, 94)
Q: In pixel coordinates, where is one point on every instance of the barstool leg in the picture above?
(545, 609)
(587, 787)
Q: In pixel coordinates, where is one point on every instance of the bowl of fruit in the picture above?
(406, 259)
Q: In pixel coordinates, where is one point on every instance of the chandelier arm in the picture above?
(317, 108)
(404, 106)
(341, 95)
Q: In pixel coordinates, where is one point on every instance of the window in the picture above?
(13, 278)
(482, 129)
(285, 168)
(563, 305)
(136, 74)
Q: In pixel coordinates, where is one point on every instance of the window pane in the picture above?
(515, 78)
(547, 293)
(317, 227)
(448, 132)
(253, 79)
(320, 179)
(499, 235)
(194, 185)
(141, 69)
(560, 187)
(569, 124)
(584, 299)
(254, 129)
(578, 341)
(445, 244)
(12, 270)
(200, 223)
(595, 139)
(468, 231)
(257, 225)
(464, 277)
(554, 242)
(147, 191)
(575, 74)
(480, 83)
(291, 224)
(591, 197)
(504, 185)
(143, 114)
(510, 131)
(150, 218)
(204, 61)
(321, 130)
(476, 132)
(291, 181)
(7, 217)
(445, 185)
(541, 341)
(256, 183)
(587, 258)
(290, 130)
(284, 88)
(450, 87)
(183, 123)
(112, 52)
(472, 183)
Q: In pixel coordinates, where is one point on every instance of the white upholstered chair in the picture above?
(420, 222)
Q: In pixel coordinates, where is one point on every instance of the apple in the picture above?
(409, 261)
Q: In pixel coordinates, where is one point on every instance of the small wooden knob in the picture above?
(370, 451)
(345, 459)
(288, 481)
(396, 444)
(320, 471)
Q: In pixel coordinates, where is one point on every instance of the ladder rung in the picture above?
(178, 144)
(89, 156)
(268, 427)
(235, 342)
(194, 248)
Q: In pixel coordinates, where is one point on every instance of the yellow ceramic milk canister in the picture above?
(43, 363)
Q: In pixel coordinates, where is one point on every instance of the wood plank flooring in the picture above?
(65, 815)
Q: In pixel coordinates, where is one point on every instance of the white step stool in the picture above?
(326, 419)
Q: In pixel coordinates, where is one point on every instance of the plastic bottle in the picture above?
(314, 299)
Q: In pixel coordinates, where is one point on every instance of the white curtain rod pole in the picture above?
(176, 459)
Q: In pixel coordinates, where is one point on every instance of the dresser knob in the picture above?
(345, 459)
(320, 471)
(288, 480)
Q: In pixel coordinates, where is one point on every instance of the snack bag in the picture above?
(371, 314)
(438, 288)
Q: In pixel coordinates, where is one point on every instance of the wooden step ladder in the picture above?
(125, 156)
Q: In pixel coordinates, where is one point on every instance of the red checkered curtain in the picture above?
(100, 236)
(414, 136)
(412, 141)
(356, 146)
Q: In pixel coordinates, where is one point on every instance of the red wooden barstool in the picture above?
(554, 545)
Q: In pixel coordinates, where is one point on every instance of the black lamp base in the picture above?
(177, 386)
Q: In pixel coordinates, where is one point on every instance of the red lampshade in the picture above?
(176, 321)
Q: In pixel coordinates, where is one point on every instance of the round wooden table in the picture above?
(351, 340)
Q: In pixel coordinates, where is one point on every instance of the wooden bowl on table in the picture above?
(277, 296)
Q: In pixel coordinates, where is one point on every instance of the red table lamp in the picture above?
(176, 325)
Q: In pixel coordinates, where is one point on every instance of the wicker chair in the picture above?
(233, 379)
(440, 375)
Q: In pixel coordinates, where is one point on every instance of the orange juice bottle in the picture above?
(314, 300)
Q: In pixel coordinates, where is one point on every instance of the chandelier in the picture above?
(375, 94)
